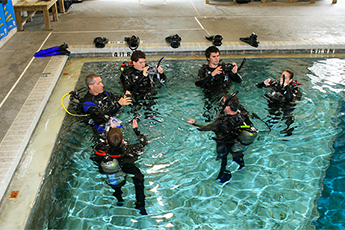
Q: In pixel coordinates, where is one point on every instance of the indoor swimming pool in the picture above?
(280, 187)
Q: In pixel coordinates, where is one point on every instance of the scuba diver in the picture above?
(116, 159)
(282, 99)
(100, 105)
(141, 80)
(234, 132)
(215, 79)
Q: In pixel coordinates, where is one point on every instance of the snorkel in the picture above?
(227, 101)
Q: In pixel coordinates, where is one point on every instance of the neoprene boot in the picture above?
(224, 176)
(118, 195)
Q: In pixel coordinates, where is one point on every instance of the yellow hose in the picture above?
(76, 115)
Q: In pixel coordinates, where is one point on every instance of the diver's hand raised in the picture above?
(125, 100)
(135, 124)
(145, 73)
(191, 121)
(234, 68)
(160, 69)
(218, 70)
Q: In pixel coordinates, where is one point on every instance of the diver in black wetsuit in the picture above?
(234, 132)
(282, 99)
(116, 159)
(141, 80)
(215, 79)
(99, 104)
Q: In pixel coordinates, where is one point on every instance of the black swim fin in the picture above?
(252, 40)
(174, 40)
(216, 39)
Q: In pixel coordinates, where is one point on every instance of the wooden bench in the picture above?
(43, 6)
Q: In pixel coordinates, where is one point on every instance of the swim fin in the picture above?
(174, 40)
(252, 40)
(56, 50)
(63, 52)
(216, 39)
(132, 42)
(100, 42)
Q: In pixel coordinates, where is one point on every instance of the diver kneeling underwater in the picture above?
(234, 132)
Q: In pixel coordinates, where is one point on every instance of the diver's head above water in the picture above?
(286, 78)
(230, 103)
(114, 138)
(212, 55)
(94, 83)
(139, 60)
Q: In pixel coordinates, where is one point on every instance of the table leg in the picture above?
(207, 1)
(46, 19)
(334, 1)
(55, 13)
(18, 20)
(62, 6)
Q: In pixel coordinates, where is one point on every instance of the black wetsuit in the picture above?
(143, 89)
(219, 83)
(214, 87)
(282, 102)
(134, 81)
(126, 155)
(227, 129)
(100, 108)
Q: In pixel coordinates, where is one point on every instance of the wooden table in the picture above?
(43, 6)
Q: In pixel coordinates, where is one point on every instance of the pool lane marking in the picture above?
(201, 25)
(24, 71)
(194, 7)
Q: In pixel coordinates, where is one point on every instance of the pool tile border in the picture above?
(18, 136)
(231, 48)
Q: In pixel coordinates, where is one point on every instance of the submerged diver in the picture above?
(282, 99)
(139, 79)
(234, 132)
(215, 79)
(101, 105)
(116, 159)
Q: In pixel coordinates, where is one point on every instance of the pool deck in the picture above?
(283, 28)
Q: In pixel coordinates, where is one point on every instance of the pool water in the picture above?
(278, 189)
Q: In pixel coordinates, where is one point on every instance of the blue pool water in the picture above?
(279, 188)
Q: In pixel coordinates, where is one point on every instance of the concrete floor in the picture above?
(282, 27)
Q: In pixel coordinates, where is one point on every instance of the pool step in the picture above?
(17, 137)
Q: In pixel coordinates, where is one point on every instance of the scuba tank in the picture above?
(246, 137)
(116, 177)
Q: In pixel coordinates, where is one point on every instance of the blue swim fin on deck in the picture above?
(56, 50)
